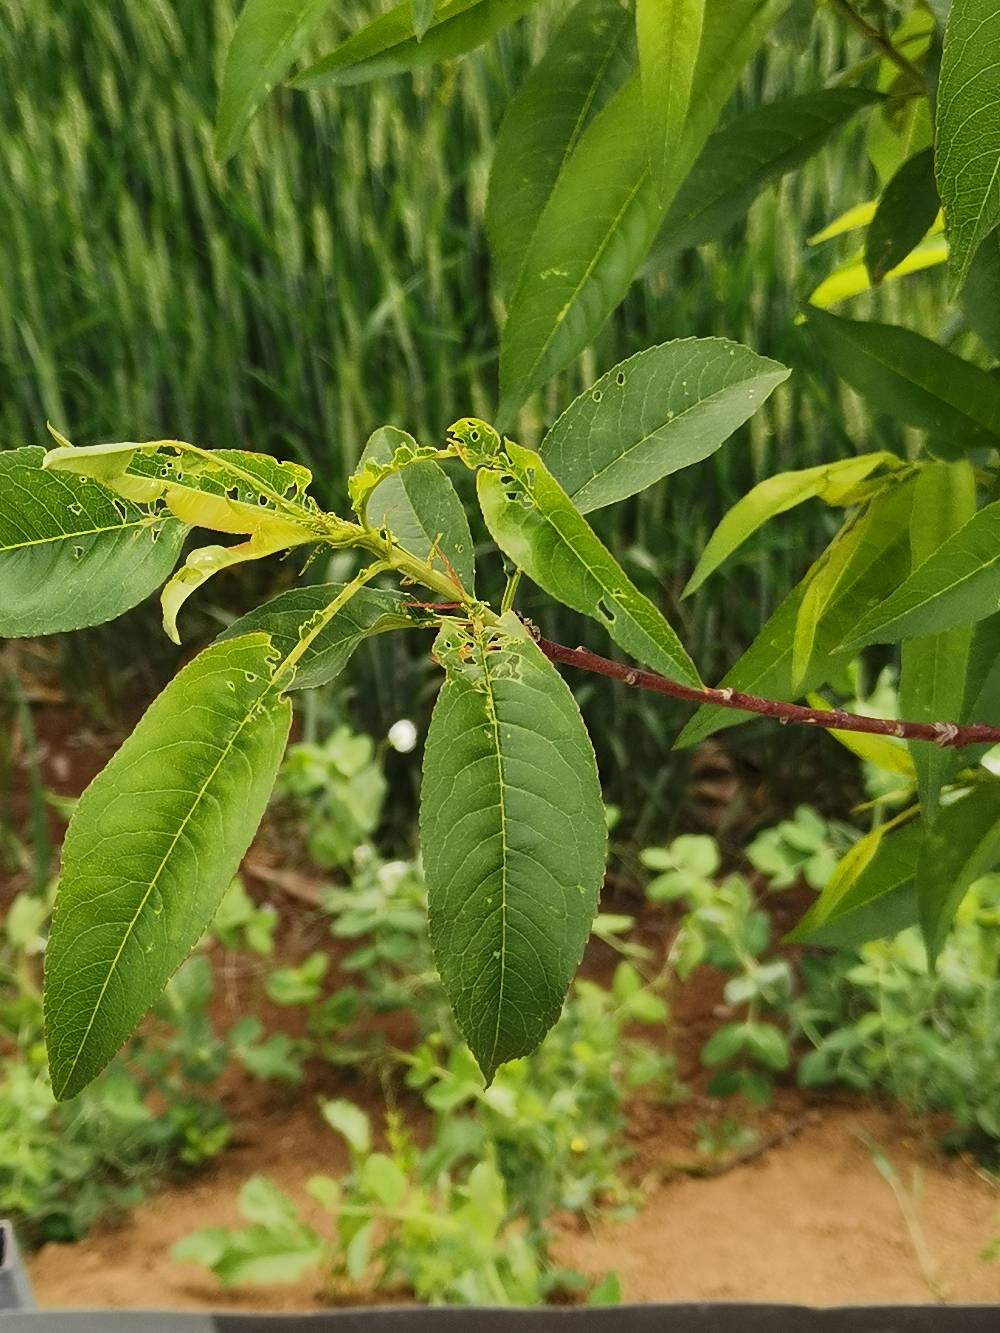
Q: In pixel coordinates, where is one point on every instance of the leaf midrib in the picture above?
(153, 883)
(491, 712)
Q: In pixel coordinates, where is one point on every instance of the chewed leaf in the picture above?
(226, 490)
(152, 847)
(71, 553)
(513, 838)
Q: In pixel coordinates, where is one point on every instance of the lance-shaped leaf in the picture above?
(288, 617)
(877, 564)
(933, 677)
(536, 525)
(852, 278)
(754, 149)
(268, 37)
(968, 129)
(512, 836)
(669, 33)
(832, 482)
(71, 553)
(604, 211)
(416, 502)
(661, 410)
(962, 845)
(388, 45)
(957, 585)
(153, 845)
(905, 214)
(871, 894)
(912, 378)
(588, 58)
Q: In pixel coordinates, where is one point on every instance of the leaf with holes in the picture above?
(287, 617)
(267, 39)
(388, 45)
(968, 129)
(586, 61)
(71, 553)
(513, 839)
(536, 525)
(654, 414)
(419, 505)
(153, 845)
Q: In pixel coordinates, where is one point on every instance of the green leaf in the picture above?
(776, 495)
(884, 752)
(350, 1121)
(754, 149)
(874, 896)
(661, 410)
(962, 845)
(587, 60)
(968, 129)
(537, 526)
(422, 12)
(419, 506)
(289, 615)
(669, 33)
(512, 832)
(822, 587)
(268, 37)
(879, 562)
(981, 293)
(388, 44)
(71, 554)
(956, 586)
(152, 847)
(604, 211)
(906, 212)
(933, 677)
(911, 378)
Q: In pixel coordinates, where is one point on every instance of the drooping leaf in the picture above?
(268, 37)
(537, 526)
(968, 129)
(753, 150)
(71, 553)
(906, 212)
(669, 34)
(419, 506)
(512, 832)
(912, 378)
(388, 45)
(956, 586)
(604, 211)
(963, 844)
(661, 410)
(776, 495)
(588, 59)
(874, 895)
(932, 681)
(878, 564)
(152, 847)
(288, 616)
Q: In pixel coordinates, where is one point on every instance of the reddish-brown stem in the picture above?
(946, 734)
